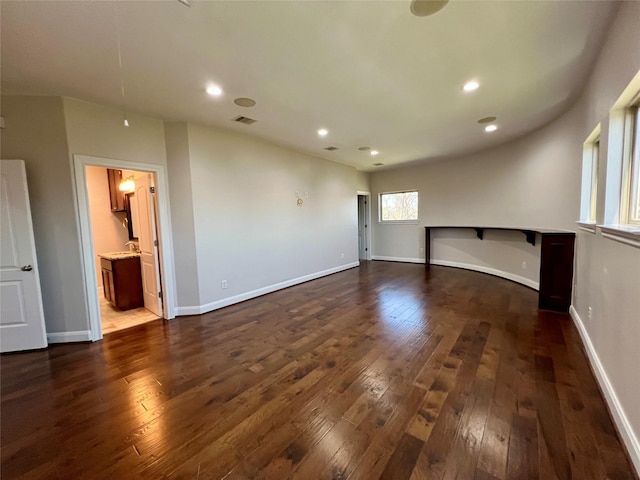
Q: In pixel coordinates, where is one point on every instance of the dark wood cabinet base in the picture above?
(122, 281)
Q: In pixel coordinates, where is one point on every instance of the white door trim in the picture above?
(86, 241)
(368, 220)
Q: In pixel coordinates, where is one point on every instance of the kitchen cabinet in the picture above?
(122, 280)
(117, 198)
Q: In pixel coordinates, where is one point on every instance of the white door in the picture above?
(21, 316)
(148, 240)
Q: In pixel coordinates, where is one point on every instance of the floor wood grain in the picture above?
(383, 371)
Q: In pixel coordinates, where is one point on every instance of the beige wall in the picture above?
(533, 182)
(35, 132)
(248, 227)
(182, 217)
(98, 131)
(363, 182)
(107, 230)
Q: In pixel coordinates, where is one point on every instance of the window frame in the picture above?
(408, 221)
(590, 171)
(630, 193)
(622, 168)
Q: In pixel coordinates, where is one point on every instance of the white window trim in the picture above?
(587, 226)
(397, 222)
(632, 143)
(629, 235)
(617, 198)
(589, 189)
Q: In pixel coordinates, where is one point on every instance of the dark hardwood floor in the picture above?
(383, 371)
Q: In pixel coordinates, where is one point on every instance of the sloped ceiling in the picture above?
(369, 71)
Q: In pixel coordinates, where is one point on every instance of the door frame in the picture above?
(367, 237)
(168, 282)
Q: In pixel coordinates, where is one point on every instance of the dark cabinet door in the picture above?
(122, 281)
(118, 201)
(107, 285)
(556, 271)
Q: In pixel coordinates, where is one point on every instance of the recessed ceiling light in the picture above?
(470, 86)
(373, 153)
(378, 164)
(323, 132)
(364, 149)
(244, 102)
(490, 128)
(487, 120)
(214, 90)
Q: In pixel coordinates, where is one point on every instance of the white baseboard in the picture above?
(397, 259)
(69, 337)
(615, 407)
(491, 271)
(225, 302)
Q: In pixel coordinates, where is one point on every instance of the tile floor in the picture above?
(113, 319)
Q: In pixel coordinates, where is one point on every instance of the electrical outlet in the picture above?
(342, 255)
(524, 265)
(224, 284)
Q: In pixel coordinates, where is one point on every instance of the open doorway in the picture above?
(125, 233)
(125, 247)
(364, 220)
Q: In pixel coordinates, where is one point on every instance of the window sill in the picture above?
(398, 222)
(587, 226)
(627, 234)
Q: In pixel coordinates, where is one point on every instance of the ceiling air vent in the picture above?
(245, 120)
(331, 149)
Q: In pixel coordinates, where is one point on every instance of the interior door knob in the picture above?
(27, 268)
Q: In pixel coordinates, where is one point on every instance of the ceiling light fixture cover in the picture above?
(214, 90)
(323, 132)
(490, 128)
(470, 86)
(244, 102)
(424, 8)
(487, 120)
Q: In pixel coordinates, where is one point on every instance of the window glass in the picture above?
(399, 207)
(634, 171)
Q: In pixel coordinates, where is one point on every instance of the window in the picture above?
(589, 197)
(621, 220)
(399, 207)
(631, 192)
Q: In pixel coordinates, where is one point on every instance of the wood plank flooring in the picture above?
(383, 371)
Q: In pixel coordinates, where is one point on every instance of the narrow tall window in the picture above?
(593, 200)
(398, 207)
(589, 197)
(633, 200)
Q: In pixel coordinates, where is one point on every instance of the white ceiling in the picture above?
(369, 71)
